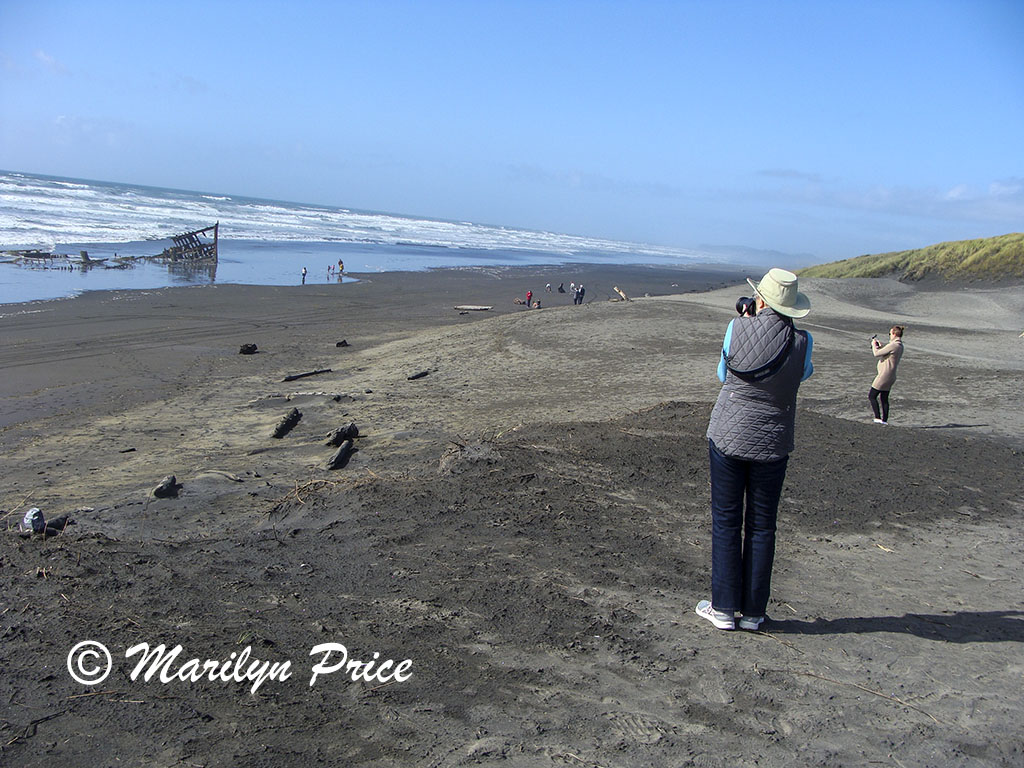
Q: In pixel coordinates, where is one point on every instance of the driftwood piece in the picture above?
(58, 525)
(341, 456)
(419, 375)
(47, 528)
(287, 422)
(620, 292)
(341, 434)
(248, 349)
(473, 307)
(294, 376)
(168, 488)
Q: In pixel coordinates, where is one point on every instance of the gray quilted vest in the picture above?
(755, 413)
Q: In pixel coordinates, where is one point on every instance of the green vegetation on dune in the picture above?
(990, 258)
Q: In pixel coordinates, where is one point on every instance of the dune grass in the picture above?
(990, 258)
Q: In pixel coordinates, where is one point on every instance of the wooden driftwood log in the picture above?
(294, 376)
(58, 525)
(341, 456)
(287, 422)
(341, 434)
(419, 375)
(168, 488)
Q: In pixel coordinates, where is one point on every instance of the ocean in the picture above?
(262, 242)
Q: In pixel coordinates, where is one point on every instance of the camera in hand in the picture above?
(746, 306)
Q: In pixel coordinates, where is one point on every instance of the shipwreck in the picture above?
(199, 245)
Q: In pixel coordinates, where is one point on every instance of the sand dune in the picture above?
(528, 523)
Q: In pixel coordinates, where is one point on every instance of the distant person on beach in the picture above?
(750, 436)
(580, 293)
(303, 275)
(341, 266)
(529, 298)
(548, 287)
(561, 289)
(888, 358)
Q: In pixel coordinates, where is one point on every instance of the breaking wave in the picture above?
(40, 211)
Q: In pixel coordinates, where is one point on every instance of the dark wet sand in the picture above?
(527, 523)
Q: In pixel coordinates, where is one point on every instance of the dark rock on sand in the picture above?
(341, 434)
(341, 456)
(168, 488)
(287, 423)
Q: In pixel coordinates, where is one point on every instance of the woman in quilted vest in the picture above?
(750, 436)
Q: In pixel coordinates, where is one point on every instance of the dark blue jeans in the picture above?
(744, 505)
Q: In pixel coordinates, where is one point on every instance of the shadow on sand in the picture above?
(954, 426)
(963, 627)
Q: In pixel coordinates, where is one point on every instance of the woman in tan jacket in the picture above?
(888, 358)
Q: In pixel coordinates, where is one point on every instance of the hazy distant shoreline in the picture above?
(280, 264)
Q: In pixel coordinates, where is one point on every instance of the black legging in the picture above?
(879, 394)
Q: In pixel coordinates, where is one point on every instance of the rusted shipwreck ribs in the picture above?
(194, 246)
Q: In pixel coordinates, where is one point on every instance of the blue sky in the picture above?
(828, 128)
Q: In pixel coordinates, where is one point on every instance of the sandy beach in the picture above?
(525, 518)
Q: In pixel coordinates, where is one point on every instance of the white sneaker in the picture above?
(721, 619)
(751, 623)
(884, 423)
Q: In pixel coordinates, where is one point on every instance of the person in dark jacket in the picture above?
(750, 436)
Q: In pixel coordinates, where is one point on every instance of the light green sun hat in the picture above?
(779, 290)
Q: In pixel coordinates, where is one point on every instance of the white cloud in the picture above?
(53, 65)
(190, 85)
(999, 201)
(1006, 187)
(790, 174)
(591, 182)
(89, 134)
(959, 192)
